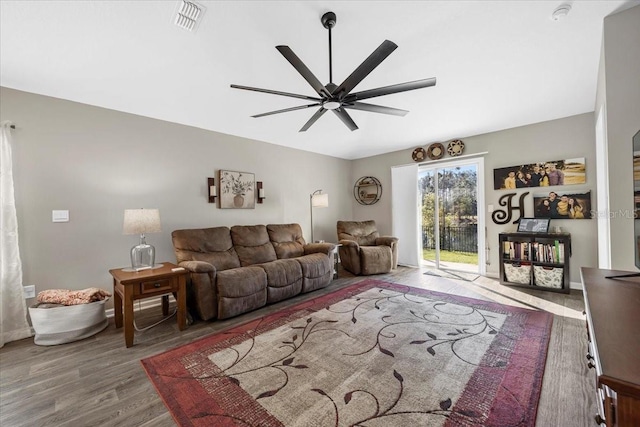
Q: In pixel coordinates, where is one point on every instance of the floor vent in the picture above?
(188, 15)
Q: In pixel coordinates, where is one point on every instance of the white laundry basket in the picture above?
(63, 324)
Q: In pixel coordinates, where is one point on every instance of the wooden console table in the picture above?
(612, 307)
(129, 286)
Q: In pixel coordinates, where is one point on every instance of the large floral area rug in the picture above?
(372, 354)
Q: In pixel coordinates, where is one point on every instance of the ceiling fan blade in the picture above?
(313, 119)
(300, 107)
(276, 92)
(303, 70)
(346, 118)
(365, 68)
(388, 90)
(376, 109)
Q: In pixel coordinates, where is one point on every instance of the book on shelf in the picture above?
(550, 253)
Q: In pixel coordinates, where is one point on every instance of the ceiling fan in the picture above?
(339, 98)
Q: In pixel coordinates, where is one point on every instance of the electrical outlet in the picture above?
(29, 291)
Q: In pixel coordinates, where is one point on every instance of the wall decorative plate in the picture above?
(435, 151)
(455, 147)
(419, 154)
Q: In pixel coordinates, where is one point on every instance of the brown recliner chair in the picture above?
(363, 251)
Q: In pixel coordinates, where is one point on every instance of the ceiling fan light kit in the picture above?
(339, 98)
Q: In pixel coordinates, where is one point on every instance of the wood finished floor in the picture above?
(99, 382)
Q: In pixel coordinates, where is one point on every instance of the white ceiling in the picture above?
(499, 64)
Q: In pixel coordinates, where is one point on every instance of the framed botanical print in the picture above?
(237, 190)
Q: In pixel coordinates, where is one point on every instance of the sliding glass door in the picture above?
(452, 229)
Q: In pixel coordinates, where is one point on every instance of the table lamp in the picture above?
(141, 221)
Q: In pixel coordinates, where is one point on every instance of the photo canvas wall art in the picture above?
(541, 174)
(562, 205)
(237, 190)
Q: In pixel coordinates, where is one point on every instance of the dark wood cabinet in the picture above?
(535, 260)
(612, 307)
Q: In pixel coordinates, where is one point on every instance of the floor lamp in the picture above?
(317, 200)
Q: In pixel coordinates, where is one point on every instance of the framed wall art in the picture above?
(237, 190)
(562, 205)
(533, 225)
(541, 174)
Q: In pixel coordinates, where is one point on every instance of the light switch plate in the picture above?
(29, 291)
(60, 216)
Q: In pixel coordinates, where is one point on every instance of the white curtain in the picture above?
(13, 310)
(405, 217)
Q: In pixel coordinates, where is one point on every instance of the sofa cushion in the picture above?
(316, 271)
(212, 245)
(252, 244)
(287, 240)
(284, 279)
(240, 290)
(363, 232)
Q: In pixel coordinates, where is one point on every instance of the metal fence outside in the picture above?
(456, 239)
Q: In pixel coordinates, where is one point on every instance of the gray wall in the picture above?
(97, 162)
(619, 93)
(554, 140)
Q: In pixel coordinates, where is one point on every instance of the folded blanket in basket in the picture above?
(67, 297)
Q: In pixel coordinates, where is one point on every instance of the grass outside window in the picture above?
(451, 256)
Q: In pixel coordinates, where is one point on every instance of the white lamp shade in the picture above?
(320, 200)
(141, 221)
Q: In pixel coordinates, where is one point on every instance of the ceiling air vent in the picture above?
(188, 15)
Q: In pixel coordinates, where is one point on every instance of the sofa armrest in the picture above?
(197, 266)
(202, 295)
(350, 256)
(387, 241)
(392, 242)
(351, 244)
(313, 248)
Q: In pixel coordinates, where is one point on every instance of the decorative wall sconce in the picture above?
(211, 185)
(260, 191)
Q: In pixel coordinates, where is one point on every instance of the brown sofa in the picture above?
(242, 268)
(363, 250)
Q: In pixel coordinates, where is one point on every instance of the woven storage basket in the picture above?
(59, 325)
(548, 277)
(518, 273)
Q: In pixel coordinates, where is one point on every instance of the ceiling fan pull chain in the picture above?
(329, 21)
(330, 59)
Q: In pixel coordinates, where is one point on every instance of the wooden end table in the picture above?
(129, 286)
